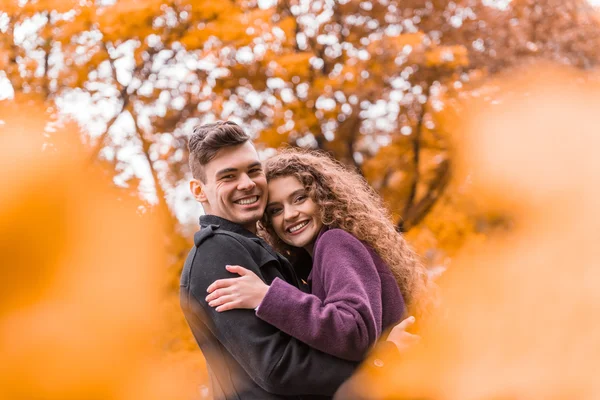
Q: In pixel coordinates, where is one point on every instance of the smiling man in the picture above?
(247, 358)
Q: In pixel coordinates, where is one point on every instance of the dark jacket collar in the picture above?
(222, 223)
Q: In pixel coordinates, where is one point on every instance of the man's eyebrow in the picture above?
(226, 170)
(255, 164)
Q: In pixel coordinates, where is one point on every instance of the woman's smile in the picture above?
(298, 228)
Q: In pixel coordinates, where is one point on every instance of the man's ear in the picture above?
(197, 189)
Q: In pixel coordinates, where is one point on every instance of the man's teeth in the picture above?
(298, 227)
(248, 201)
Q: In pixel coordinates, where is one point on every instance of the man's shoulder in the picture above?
(213, 243)
(213, 249)
(213, 235)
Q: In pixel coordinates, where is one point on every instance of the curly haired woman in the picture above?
(364, 275)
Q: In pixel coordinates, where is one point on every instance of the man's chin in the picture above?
(248, 218)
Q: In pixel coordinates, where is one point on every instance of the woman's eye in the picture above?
(274, 211)
(300, 199)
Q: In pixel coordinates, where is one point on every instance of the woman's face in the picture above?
(294, 215)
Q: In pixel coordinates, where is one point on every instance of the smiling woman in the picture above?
(363, 272)
(293, 214)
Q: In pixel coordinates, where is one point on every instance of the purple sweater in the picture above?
(354, 298)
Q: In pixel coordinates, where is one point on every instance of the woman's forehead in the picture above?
(281, 187)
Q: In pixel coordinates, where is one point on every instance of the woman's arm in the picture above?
(346, 320)
(345, 323)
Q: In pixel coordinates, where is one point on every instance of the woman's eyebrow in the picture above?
(291, 195)
(296, 192)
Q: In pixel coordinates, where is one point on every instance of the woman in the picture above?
(363, 277)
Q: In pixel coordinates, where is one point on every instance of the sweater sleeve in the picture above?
(347, 321)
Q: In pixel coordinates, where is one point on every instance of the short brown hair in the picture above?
(208, 139)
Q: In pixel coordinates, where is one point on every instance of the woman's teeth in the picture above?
(298, 227)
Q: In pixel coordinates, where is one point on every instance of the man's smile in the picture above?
(245, 201)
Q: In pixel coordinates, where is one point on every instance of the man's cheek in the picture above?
(222, 190)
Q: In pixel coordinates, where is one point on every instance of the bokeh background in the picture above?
(477, 121)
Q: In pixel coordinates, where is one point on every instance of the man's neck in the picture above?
(251, 228)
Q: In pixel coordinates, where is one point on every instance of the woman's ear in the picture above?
(197, 189)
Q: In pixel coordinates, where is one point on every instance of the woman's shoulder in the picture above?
(335, 237)
(343, 249)
(336, 234)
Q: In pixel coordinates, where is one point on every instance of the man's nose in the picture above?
(246, 183)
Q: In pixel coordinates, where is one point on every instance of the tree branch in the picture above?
(146, 144)
(419, 210)
(416, 148)
(349, 130)
(124, 95)
(101, 140)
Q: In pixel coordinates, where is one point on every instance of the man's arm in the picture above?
(275, 361)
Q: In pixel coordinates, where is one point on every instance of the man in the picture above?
(247, 358)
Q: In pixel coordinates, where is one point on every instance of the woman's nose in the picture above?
(290, 213)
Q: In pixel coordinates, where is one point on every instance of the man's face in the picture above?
(235, 187)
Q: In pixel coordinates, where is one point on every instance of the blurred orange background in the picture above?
(476, 120)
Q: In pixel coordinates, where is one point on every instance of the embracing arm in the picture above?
(347, 322)
(277, 362)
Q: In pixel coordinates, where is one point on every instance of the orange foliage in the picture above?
(518, 314)
(83, 275)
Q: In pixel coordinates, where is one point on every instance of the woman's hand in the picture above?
(402, 339)
(247, 291)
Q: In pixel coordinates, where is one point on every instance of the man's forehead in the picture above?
(236, 157)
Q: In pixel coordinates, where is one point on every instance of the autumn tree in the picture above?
(364, 80)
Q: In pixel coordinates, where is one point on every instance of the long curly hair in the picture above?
(346, 201)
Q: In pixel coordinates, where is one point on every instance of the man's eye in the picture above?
(255, 171)
(227, 177)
